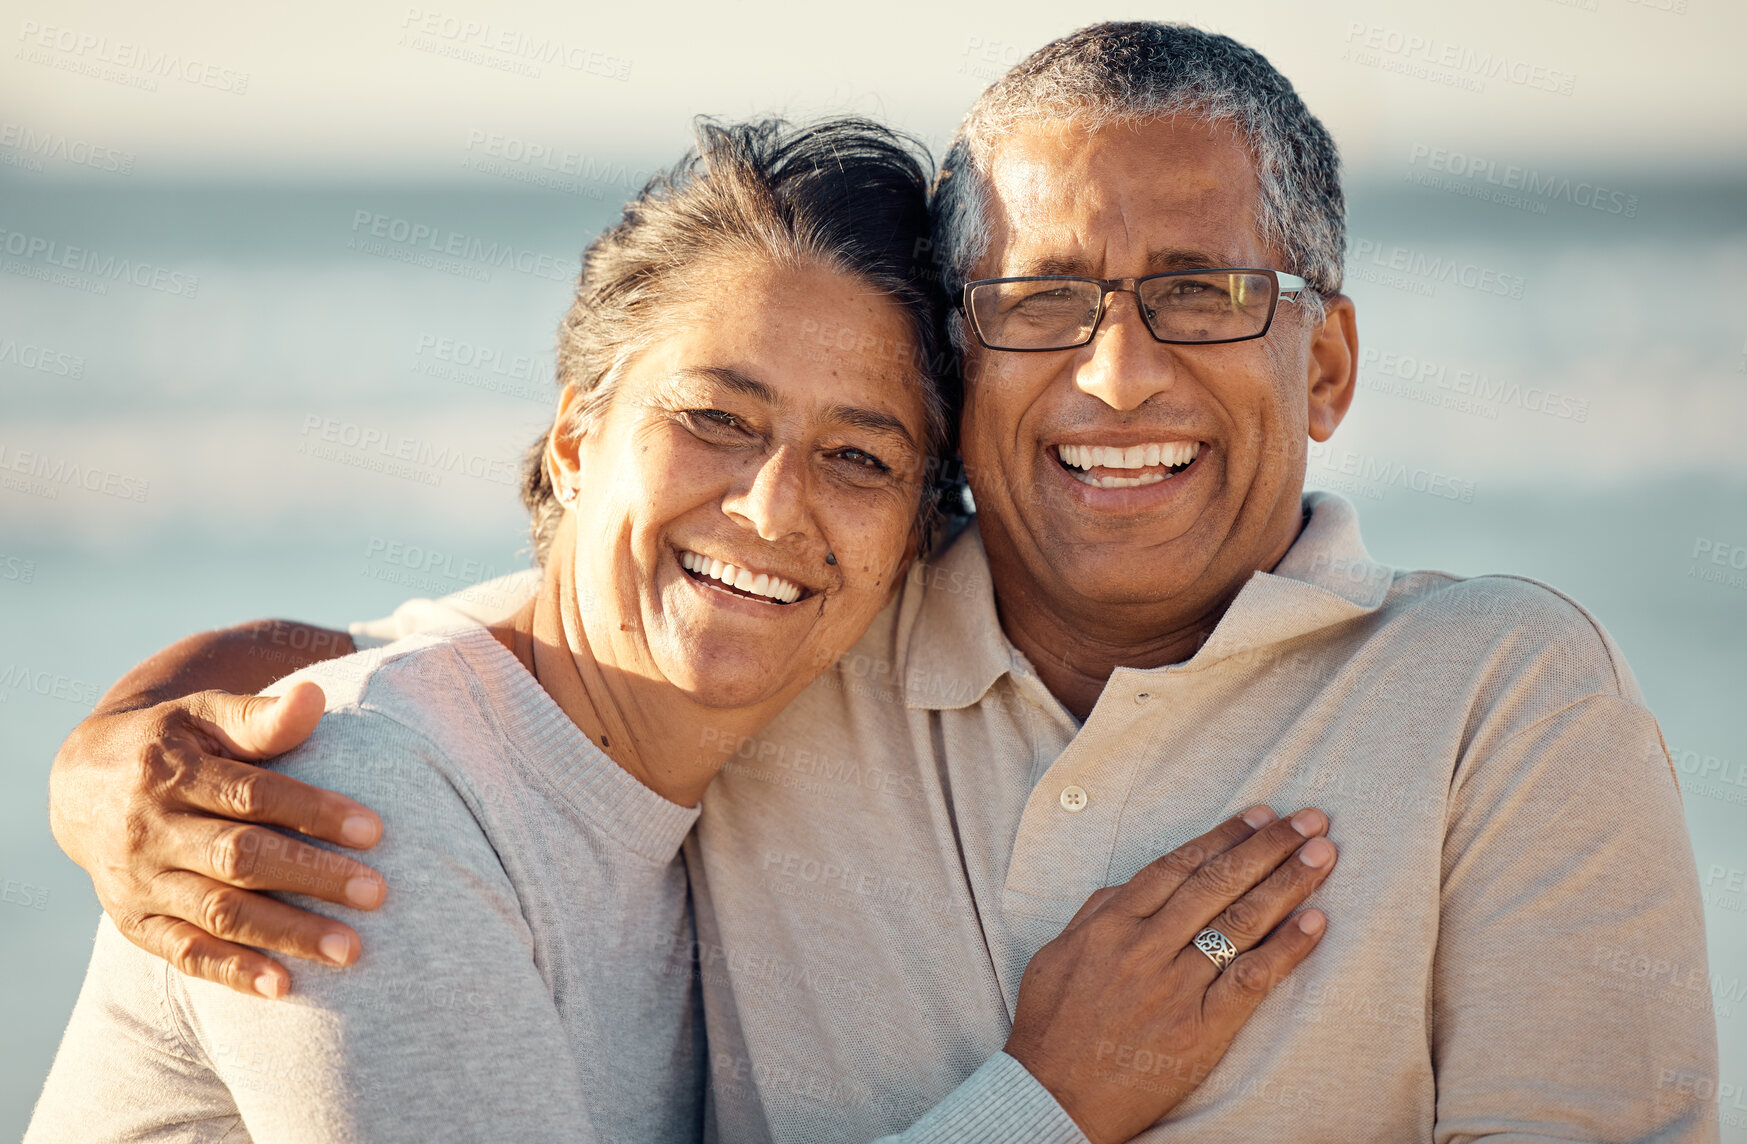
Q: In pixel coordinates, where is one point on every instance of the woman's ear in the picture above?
(564, 446)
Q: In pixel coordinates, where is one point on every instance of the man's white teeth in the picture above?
(1121, 482)
(1171, 454)
(758, 583)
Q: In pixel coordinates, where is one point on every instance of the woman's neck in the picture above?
(656, 733)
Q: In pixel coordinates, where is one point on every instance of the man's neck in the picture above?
(1075, 645)
(1074, 658)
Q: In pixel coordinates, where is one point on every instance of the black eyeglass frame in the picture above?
(1287, 286)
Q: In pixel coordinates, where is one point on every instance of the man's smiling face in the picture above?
(1079, 527)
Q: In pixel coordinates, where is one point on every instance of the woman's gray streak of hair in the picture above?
(1126, 72)
(843, 193)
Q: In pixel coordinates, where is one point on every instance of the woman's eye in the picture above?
(714, 418)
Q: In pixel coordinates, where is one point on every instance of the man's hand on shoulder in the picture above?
(163, 807)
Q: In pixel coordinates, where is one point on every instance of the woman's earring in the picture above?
(567, 493)
(831, 558)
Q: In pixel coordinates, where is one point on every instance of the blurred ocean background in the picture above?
(281, 363)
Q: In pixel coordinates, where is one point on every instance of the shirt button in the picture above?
(1073, 799)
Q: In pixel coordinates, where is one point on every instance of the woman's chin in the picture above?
(734, 680)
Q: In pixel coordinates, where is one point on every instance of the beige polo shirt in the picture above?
(1515, 945)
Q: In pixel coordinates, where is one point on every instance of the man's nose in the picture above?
(771, 499)
(1123, 365)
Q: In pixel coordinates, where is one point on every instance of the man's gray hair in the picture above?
(1123, 72)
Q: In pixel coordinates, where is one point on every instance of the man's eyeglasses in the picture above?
(1180, 307)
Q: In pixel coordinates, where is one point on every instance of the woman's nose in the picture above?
(773, 500)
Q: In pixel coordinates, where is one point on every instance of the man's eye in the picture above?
(863, 460)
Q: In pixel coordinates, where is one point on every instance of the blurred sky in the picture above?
(543, 117)
(343, 87)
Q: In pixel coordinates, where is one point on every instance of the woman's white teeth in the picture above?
(1171, 454)
(746, 580)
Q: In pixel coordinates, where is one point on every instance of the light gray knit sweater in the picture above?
(526, 979)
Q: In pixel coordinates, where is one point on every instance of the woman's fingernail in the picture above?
(1311, 922)
(267, 985)
(1258, 817)
(1307, 822)
(1318, 852)
(365, 892)
(335, 947)
(358, 831)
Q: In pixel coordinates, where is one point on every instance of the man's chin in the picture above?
(1134, 582)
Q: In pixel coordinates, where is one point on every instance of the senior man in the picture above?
(1148, 627)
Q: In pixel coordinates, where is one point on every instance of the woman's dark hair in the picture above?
(844, 193)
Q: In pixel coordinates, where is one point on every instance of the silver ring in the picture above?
(1218, 948)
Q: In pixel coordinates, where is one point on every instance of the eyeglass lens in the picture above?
(1057, 313)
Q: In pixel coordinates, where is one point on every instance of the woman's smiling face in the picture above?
(781, 425)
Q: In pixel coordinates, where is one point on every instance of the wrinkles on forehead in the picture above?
(1129, 199)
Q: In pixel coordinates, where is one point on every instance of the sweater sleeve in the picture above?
(443, 1030)
(1570, 997)
(1000, 1102)
(124, 1071)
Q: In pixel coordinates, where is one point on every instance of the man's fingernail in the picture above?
(365, 892)
(1311, 923)
(1258, 817)
(1317, 853)
(1307, 822)
(267, 985)
(335, 947)
(357, 831)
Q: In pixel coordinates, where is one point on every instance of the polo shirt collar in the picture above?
(1326, 578)
(957, 650)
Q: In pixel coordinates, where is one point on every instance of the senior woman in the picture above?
(737, 476)
(707, 473)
